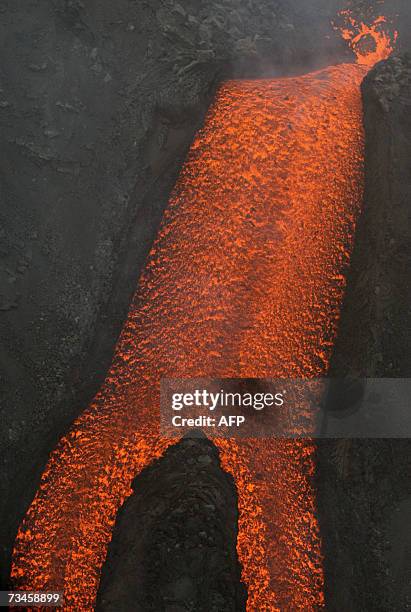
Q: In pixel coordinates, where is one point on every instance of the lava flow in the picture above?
(245, 279)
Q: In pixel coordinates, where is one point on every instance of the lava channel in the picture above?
(245, 279)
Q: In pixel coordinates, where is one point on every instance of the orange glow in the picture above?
(245, 279)
(359, 36)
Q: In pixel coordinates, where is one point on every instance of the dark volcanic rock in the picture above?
(174, 543)
(365, 485)
(375, 336)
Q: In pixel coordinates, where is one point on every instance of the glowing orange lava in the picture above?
(245, 279)
(357, 34)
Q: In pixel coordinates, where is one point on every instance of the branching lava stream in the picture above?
(245, 279)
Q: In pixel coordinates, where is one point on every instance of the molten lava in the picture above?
(245, 279)
(358, 34)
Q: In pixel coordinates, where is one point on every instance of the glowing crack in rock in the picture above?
(245, 279)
